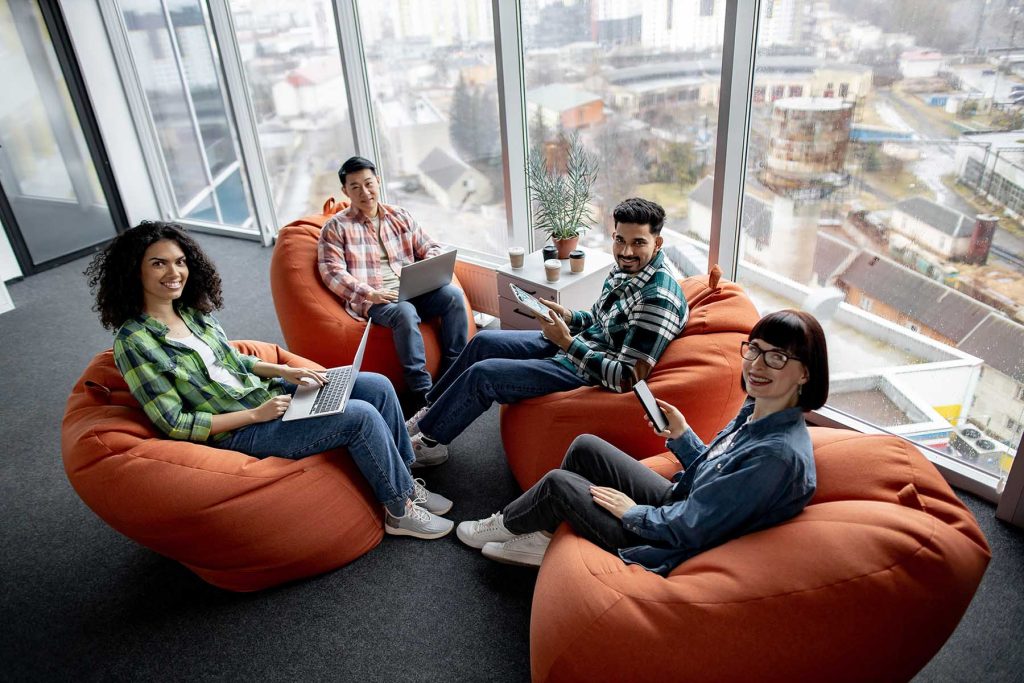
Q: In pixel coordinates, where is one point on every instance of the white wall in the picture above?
(92, 49)
(9, 268)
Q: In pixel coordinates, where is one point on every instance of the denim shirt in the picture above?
(765, 477)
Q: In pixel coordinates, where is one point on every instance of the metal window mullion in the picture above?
(1011, 501)
(508, 52)
(357, 82)
(739, 47)
(138, 105)
(244, 116)
(180, 64)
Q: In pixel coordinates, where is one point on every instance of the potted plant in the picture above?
(561, 199)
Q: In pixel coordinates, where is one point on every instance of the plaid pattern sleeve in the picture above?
(172, 383)
(146, 370)
(634, 320)
(348, 253)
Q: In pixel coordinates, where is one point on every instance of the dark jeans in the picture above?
(563, 495)
(404, 317)
(497, 366)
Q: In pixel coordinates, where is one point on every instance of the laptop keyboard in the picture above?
(330, 395)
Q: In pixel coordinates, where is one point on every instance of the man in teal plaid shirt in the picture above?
(617, 342)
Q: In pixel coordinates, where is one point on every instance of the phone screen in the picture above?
(530, 301)
(643, 392)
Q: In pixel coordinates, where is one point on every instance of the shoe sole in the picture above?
(505, 559)
(397, 531)
(474, 543)
(418, 464)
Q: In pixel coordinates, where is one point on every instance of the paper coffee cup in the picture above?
(552, 269)
(516, 256)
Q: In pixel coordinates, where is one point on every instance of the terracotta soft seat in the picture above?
(314, 321)
(238, 522)
(699, 373)
(866, 584)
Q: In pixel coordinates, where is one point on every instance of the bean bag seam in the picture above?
(900, 562)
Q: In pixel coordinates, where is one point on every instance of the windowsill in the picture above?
(959, 475)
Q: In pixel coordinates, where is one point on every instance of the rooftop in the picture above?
(952, 223)
(560, 97)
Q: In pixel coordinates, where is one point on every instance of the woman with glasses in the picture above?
(756, 472)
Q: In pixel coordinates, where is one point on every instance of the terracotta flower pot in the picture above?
(566, 245)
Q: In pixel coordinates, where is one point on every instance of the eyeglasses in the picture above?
(773, 358)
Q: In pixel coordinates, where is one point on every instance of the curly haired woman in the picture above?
(158, 290)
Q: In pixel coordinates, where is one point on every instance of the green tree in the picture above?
(461, 120)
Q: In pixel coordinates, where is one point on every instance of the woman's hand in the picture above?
(615, 502)
(676, 422)
(300, 376)
(272, 409)
(562, 311)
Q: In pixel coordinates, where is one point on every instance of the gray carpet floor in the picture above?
(79, 601)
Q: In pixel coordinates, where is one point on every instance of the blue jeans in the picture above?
(498, 366)
(404, 320)
(371, 428)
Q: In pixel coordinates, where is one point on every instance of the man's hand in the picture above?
(562, 311)
(382, 296)
(556, 331)
(612, 500)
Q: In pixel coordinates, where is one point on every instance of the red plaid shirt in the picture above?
(349, 255)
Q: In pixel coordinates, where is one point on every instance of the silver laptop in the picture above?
(314, 401)
(426, 275)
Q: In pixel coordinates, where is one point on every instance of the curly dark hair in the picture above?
(114, 274)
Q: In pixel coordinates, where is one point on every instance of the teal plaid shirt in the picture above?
(634, 319)
(171, 381)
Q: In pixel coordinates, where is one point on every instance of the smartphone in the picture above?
(530, 301)
(643, 392)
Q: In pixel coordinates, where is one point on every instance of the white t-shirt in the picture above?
(218, 373)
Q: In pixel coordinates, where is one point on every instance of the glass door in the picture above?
(47, 174)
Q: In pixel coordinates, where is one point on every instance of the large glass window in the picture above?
(293, 67)
(433, 81)
(173, 54)
(882, 196)
(639, 83)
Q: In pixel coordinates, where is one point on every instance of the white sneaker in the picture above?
(434, 503)
(418, 523)
(478, 534)
(413, 423)
(427, 456)
(526, 550)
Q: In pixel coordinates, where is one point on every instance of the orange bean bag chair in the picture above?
(865, 584)
(238, 522)
(314, 321)
(699, 373)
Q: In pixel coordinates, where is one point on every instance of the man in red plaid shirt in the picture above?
(361, 253)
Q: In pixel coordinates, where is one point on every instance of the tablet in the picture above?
(530, 301)
(643, 392)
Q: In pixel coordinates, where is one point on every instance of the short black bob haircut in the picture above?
(799, 334)
(641, 212)
(354, 165)
(115, 274)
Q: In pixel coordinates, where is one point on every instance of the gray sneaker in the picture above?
(427, 456)
(526, 550)
(478, 534)
(418, 523)
(433, 503)
(413, 423)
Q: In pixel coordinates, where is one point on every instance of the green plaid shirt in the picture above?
(634, 319)
(171, 381)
